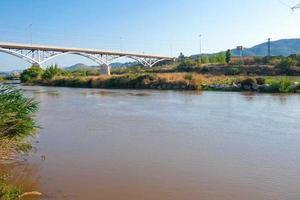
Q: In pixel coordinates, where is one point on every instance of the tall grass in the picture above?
(16, 113)
(16, 121)
(279, 85)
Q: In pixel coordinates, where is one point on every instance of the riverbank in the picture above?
(177, 81)
(16, 125)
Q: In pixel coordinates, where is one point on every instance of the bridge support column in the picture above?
(36, 65)
(105, 69)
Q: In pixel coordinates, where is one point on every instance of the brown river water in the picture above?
(162, 145)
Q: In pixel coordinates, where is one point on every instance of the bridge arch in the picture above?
(33, 61)
(19, 55)
(91, 57)
(144, 62)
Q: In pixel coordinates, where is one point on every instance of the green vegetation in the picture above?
(208, 72)
(34, 72)
(16, 120)
(52, 72)
(280, 85)
(8, 192)
(16, 124)
(228, 56)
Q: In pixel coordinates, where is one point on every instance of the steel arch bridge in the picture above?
(39, 54)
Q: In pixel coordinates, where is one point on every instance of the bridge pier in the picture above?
(105, 69)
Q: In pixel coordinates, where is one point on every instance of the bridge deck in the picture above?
(68, 49)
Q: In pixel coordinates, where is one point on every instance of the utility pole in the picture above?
(240, 49)
(121, 44)
(200, 47)
(171, 50)
(269, 48)
(30, 32)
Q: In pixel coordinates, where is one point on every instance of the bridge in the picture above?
(39, 54)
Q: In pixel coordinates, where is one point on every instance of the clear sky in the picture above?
(165, 27)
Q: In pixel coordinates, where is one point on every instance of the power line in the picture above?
(283, 3)
(295, 7)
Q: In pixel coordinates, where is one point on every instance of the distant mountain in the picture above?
(81, 66)
(126, 64)
(10, 73)
(283, 47)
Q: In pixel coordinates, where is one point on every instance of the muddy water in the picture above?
(146, 145)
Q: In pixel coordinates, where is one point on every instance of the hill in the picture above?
(81, 66)
(284, 47)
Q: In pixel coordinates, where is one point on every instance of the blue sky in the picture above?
(165, 27)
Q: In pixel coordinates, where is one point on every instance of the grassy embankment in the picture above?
(173, 77)
(16, 125)
(177, 81)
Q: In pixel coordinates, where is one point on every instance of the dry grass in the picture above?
(8, 148)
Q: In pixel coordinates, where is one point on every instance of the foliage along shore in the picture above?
(17, 124)
(216, 72)
(173, 81)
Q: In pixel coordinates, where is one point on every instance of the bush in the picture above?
(16, 113)
(286, 64)
(248, 82)
(232, 71)
(260, 81)
(52, 71)
(278, 85)
(204, 69)
(34, 72)
(188, 77)
(8, 192)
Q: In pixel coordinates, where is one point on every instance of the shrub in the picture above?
(248, 83)
(278, 85)
(188, 77)
(285, 85)
(260, 81)
(8, 192)
(34, 72)
(16, 113)
(51, 72)
(232, 71)
(286, 64)
(204, 69)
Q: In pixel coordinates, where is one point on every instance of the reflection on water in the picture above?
(132, 145)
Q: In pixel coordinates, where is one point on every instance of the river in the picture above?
(168, 145)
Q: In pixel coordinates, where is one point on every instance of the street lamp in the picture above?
(30, 32)
(200, 47)
(200, 44)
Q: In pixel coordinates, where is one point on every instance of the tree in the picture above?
(228, 56)
(181, 57)
(286, 64)
(34, 72)
(204, 59)
(52, 71)
(221, 58)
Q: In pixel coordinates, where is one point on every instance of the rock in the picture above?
(33, 193)
(234, 85)
(263, 87)
(255, 86)
(247, 87)
(295, 86)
